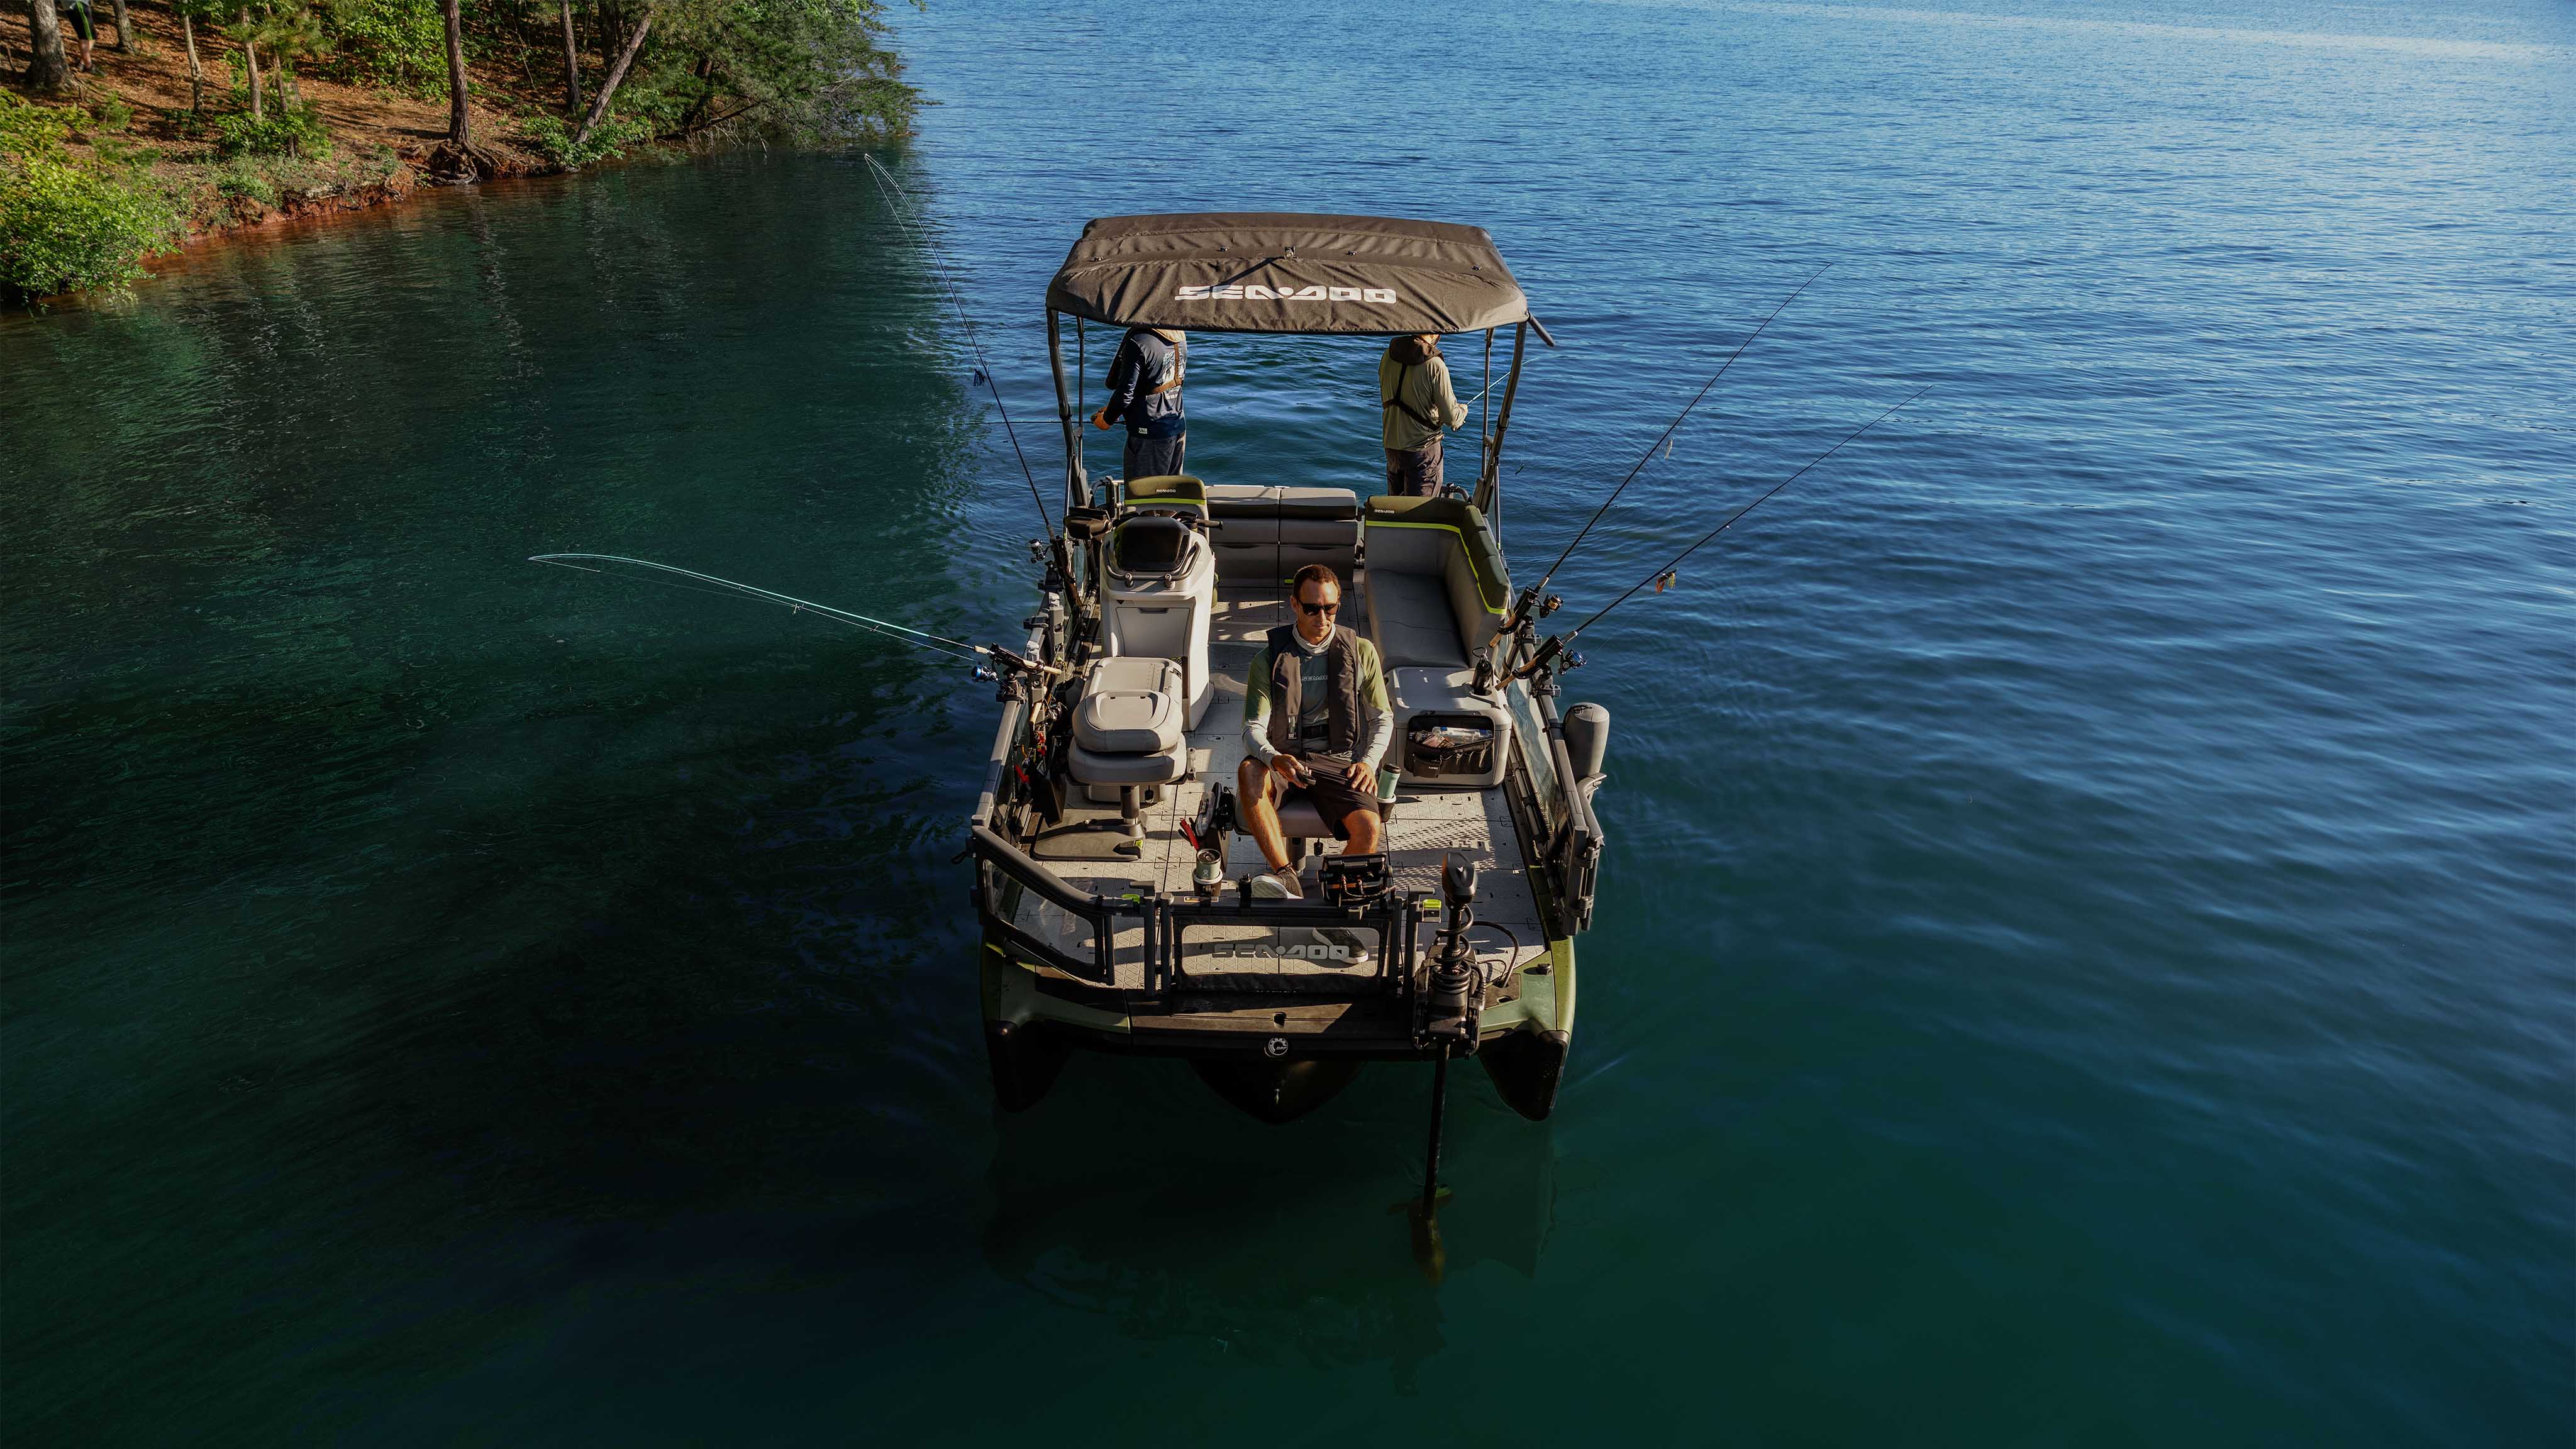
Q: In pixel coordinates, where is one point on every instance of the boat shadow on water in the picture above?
(1134, 1193)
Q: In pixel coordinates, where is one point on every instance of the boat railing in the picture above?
(1081, 930)
(1051, 922)
(1311, 931)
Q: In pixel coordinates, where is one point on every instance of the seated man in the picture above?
(1315, 719)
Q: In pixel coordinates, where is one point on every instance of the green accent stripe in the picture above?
(1483, 584)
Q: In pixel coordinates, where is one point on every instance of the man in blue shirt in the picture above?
(1145, 394)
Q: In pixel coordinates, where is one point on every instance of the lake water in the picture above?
(2087, 952)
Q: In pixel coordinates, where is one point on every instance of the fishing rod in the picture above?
(920, 639)
(1669, 573)
(1530, 597)
(983, 370)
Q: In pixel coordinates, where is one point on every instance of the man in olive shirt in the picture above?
(1413, 391)
(1316, 719)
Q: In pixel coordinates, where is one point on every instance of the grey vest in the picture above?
(1341, 696)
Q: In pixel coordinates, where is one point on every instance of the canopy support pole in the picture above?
(1077, 482)
(1485, 400)
(1489, 489)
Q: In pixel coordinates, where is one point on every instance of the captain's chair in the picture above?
(1128, 736)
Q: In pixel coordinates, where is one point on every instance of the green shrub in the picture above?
(553, 138)
(286, 130)
(397, 43)
(242, 179)
(67, 224)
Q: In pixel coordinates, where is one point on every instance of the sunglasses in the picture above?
(1334, 607)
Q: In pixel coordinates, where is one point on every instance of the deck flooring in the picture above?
(1430, 826)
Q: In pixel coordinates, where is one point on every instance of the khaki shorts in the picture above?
(1333, 798)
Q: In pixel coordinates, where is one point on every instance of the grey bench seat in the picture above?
(1436, 589)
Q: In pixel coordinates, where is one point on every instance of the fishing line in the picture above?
(1666, 573)
(983, 369)
(730, 589)
(1667, 434)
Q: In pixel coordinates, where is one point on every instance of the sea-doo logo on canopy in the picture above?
(1254, 292)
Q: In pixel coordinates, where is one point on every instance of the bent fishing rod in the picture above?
(614, 566)
(1669, 573)
(983, 370)
(1531, 596)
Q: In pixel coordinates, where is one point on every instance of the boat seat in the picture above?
(1319, 526)
(1436, 589)
(1409, 622)
(1128, 736)
(1247, 536)
(1175, 492)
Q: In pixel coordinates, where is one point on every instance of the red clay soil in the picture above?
(381, 138)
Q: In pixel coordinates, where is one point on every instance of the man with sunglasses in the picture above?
(1315, 719)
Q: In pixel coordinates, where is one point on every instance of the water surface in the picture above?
(2086, 942)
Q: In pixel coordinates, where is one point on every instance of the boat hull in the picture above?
(1275, 1060)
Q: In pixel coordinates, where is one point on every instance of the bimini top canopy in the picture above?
(1255, 271)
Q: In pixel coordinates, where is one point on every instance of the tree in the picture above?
(190, 12)
(248, 35)
(124, 31)
(457, 158)
(572, 65)
(608, 84)
(458, 120)
(46, 68)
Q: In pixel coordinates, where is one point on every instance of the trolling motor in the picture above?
(1451, 1001)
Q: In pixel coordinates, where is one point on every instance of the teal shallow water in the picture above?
(2086, 946)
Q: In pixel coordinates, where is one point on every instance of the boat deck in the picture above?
(1429, 826)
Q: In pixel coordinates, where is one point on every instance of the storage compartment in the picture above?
(1448, 737)
(1449, 747)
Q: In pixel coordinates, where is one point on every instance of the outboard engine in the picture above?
(1587, 744)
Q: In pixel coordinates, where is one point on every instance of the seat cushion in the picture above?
(1090, 767)
(1322, 504)
(1130, 706)
(1409, 619)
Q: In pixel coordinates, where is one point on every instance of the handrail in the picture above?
(1003, 742)
(1054, 889)
(1396, 921)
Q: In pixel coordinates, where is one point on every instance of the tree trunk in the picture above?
(703, 73)
(123, 29)
(196, 72)
(250, 63)
(456, 118)
(46, 69)
(572, 66)
(609, 83)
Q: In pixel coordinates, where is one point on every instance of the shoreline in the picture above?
(138, 118)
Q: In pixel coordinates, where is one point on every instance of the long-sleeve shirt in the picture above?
(1424, 387)
(1377, 719)
(1145, 361)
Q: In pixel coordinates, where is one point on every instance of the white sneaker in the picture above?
(1271, 886)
